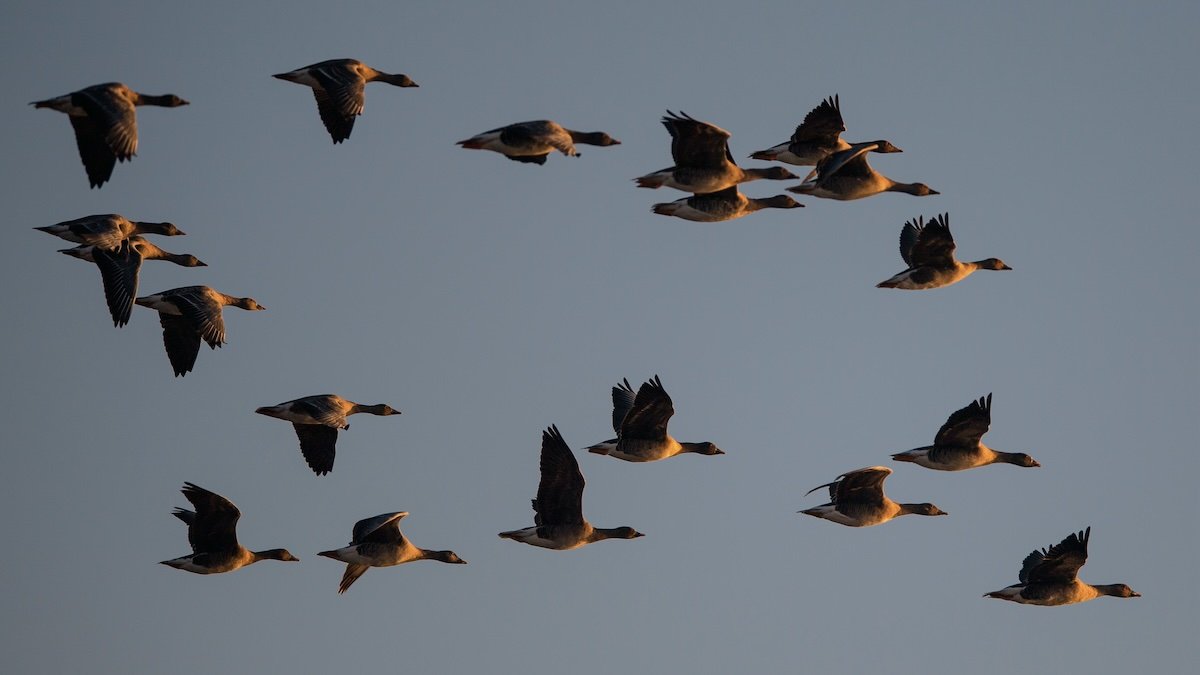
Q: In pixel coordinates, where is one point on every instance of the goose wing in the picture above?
(560, 491)
(622, 398)
(214, 526)
(929, 244)
(652, 410)
(967, 426)
(823, 123)
(697, 144)
(1060, 562)
(119, 271)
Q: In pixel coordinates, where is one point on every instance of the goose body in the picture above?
(817, 137)
(378, 542)
(532, 142)
(119, 269)
(106, 230)
(959, 443)
(104, 117)
(191, 314)
(857, 500)
(640, 421)
(727, 204)
(558, 521)
(703, 163)
(316, 420)
(928, 249)
(846, 175)
(339, 87)
(1049, 577)
(212, 532)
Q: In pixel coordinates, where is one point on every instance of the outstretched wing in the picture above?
(1060, 563)
(214, 526)
(383, 529)
(652, 410)
(967, 426)
(318, 445)
(340, 97)
(823, 122)
(697, 144)
(622, 398)
(560, 490)
(934, 246)
(119, 272)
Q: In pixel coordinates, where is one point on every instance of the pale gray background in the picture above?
(488, 299)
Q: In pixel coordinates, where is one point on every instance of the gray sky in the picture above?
(488, 299)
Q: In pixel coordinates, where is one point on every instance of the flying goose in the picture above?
(338, 87)
(928, 250)
(104, 117)
(119, 269)
(532, 142)
(378, 542)
(726, 204)
(959, 443)
(212, 532)
(858, 500)
(317, 420)
(846, 175)
(817, 137)
(189, 314)
(558, 521)
(1050, 577)
(703, 162)
(641, 424)
(106, 230)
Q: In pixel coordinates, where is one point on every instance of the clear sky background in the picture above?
(488, 299)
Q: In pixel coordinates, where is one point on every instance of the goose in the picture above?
(928, 250)
(817, 137)
(104, 117)
(726, 204)
(641, 424)
(846, 175)
(212, 532)
(1050, 577)
(558, 521)
(959, 443)
(317, 420)
(188, 315)
(858, 500)
(532, 142)
(338, 87)
(106, 230)
(378, 542)
(119, 270)
(703, 162)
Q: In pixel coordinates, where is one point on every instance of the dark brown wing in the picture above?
(182, 342)
(560, 490)
(98, 159)
(1060, 563)
(119, 272)
(864, 486)
(214, 526)
(351, 575)
(317, 444)
(340, 98)
(382, 529)
(697, 144)
(934, 246)
(968, 425)
(199, 308)
(114, 118)
(823, 122)
(652, 409)
(622, 398)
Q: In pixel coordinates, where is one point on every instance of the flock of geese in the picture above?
(105, 123)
